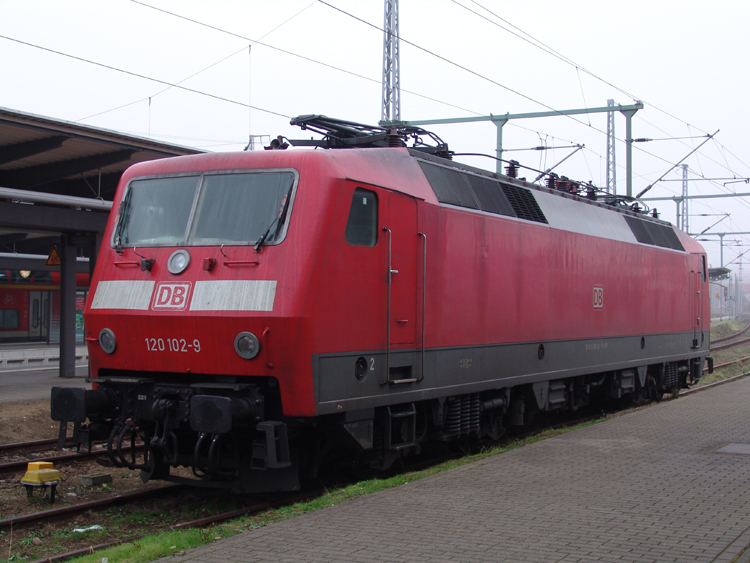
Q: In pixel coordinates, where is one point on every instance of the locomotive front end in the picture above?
(185, 309)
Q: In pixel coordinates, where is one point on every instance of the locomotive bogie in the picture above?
(376, 300)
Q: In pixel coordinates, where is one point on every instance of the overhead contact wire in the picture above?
(303, 57)
(455, 64)
(142, 76)
(549, 50)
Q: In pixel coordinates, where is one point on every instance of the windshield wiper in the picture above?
(279, 218)
(124, 204)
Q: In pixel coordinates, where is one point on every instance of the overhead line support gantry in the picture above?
(501, 120)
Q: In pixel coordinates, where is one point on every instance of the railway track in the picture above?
(731, 336)
(18, 466)
(728, 344)
(55, 513)
(5, 448)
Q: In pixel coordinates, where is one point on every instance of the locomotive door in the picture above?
(697, 278)
(402, 230)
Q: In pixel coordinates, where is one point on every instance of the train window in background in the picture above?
(703, 268)
(20, 276)
(42, 278)
(9, 319)
(4, 276)
(362, 226)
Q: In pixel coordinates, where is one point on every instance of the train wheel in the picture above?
(652, 389)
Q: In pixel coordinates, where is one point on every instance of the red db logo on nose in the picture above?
(171, 296)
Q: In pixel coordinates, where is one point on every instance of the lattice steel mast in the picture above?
(684, 204)
(611, 165)
(391, 81)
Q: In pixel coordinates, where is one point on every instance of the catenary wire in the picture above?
(303, 57)
(457, 65)
(375, 81)
(215, 28)
(474, 73)
(142, 76)
(219, 97)
(549, 50)
(537, 43)
(202, 70)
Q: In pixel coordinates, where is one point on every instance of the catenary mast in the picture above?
(391, 81)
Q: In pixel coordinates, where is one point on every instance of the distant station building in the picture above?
(57, 182)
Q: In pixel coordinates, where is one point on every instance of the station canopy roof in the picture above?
(50, 156)
(716, 274)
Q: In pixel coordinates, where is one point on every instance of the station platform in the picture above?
(665, 483)
(35, 384)
(36, 355)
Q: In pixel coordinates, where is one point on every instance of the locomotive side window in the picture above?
(362, 225)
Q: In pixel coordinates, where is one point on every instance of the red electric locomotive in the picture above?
(249, 310)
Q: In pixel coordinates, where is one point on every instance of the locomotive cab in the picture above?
(179, 328)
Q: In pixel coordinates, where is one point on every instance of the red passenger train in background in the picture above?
(251, 310)
(30, 305)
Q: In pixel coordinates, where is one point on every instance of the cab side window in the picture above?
(362, 226)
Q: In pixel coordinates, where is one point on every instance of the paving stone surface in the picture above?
(647, 486)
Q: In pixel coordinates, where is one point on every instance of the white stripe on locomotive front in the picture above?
(234, 295)
(123, 294)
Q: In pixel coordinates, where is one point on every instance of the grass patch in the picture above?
(721, 329)
(159, 545)
(725, 373)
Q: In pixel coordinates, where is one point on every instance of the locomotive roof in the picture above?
(391, 168)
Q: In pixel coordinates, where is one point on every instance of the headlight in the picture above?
(107, 340)
(179, 260)
(247, 345)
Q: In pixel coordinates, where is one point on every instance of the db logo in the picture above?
(171, 296)
(598, 297)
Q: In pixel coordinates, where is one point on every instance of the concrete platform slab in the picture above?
(36, 384)
(646, 486)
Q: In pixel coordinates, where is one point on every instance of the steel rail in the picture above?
(729, 345)
(731, 336)
(715, 383)
(738, 361)
(83, 507)
(31, 444)
(17, 466)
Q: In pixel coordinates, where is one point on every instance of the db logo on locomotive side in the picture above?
(171, 296)
(598, 297)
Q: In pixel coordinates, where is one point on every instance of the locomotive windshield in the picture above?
(237, 208)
